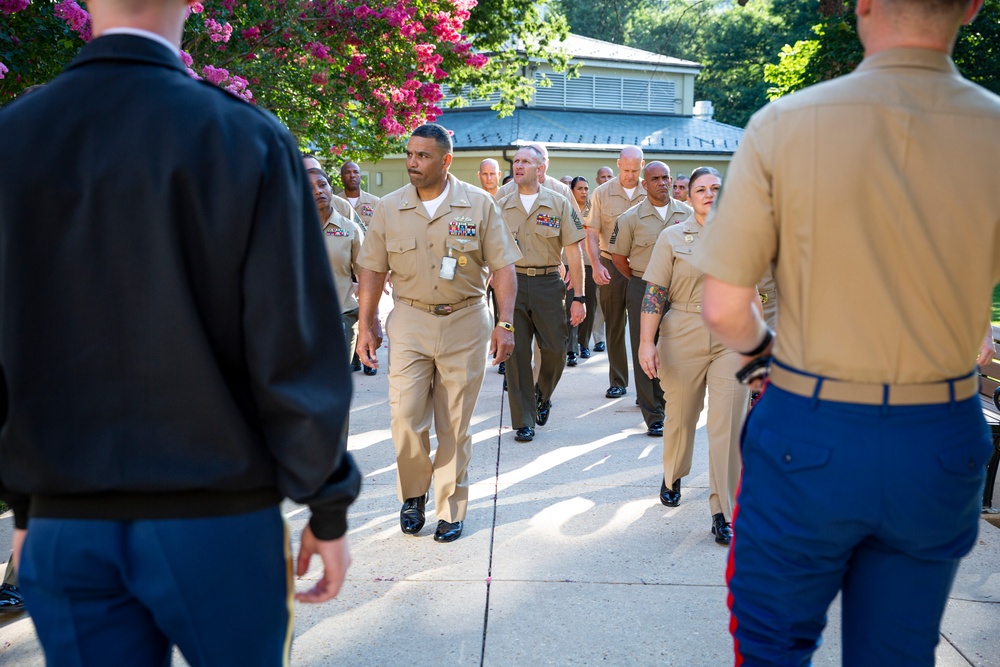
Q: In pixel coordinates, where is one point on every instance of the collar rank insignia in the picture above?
(548, 220)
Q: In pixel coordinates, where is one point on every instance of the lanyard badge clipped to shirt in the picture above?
(448, 264)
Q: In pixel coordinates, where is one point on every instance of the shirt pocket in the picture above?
(467, 248)
(645, 240)
(402, 256)
(546, 232)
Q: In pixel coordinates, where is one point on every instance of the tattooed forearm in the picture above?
(654, 300)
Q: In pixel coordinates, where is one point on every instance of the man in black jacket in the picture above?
(172, 360)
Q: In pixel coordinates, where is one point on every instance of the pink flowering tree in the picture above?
(346, 76)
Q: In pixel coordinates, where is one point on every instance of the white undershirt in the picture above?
(662, 210)
(139, 32)
(629, 192)
(431, 205)
(354, 201)
(527, 201)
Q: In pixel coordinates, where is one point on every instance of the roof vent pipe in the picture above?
(703, 110)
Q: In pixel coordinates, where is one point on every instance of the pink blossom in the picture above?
(477, 60)
(439, 74)
(215, 75)
(319, 78)
(250, 34)
(197, 8)
(238, 86)
(431, 92)
(11, 6)
(3, 70)
(75, 17)
(229, 5)
(218, 32)
(186, 58)
(363, 12)
(318, 50)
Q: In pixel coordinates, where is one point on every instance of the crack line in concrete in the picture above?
(957, 650)
(493, 530)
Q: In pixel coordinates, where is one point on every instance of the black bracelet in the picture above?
(768, 336)
(580, 299)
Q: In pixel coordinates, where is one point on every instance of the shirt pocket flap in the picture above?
(462, 244)
(644, 240)
(400, 245)
(683, 250)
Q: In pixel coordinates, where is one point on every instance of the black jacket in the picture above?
(170, 337)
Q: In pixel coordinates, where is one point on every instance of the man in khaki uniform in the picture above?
(604, 174)
(440, 238)
(362, 202)
(543, 223)
(631, 246)
(873, 397)
(343, 239)
(546, 181)
(489, 175)
(606, 203)
(339, 204)
(681, 188)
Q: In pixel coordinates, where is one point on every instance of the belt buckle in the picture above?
(763, 298)
(442, 309)
(531, 272)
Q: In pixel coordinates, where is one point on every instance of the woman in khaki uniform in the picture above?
(692, 359)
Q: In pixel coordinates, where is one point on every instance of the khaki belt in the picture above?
(686, 307)
(536, 270)
(441, 308)
(867, 393)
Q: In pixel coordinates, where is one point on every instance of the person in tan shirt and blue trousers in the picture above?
(543, 224)
(873, 394)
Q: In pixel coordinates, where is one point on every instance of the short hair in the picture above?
(572, 184)
(537, 153)
(507, 179)
(437, 133)
(680, 177)
(700, 172)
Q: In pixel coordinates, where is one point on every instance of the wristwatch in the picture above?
(506, 326)
(580, 299)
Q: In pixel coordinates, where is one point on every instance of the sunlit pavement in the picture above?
(567, 558)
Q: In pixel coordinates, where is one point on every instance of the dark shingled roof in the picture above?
(589, 130)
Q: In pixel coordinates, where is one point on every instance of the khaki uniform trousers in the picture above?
(690, 360)
(649, 392)
(539, 313)
(612, 297)
(436, 369)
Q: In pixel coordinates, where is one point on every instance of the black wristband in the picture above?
(580, 299)
(768, 336)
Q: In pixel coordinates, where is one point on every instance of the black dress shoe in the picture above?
(655, 429)
(411, 515)
(502, 368)
(721, 529)
(670, 497)
(371, 371)
(542, 412)
(615, 392)
(525, 434)
(448, 532)
(356, 367)
(571, 359)
(585, 353)
(599, 347)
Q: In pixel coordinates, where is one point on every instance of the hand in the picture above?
(387, 286)
(648, 359)
(601, 275)
(501, 345)
(577, 313)
(379, 334)
(986, 352)
(19, 535)
(368, 343)
(336, 557)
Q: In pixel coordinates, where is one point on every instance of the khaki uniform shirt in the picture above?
(638, 228)
(365, 207)
(542, 231)
(466, 226)
(343, 207)
(343, 239)
(608, 201)
(670, 265)
(840, 185)
(768, 291)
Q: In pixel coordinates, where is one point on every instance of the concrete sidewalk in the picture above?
(568, 557)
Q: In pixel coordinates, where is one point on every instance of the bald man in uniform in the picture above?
(607, 202)
(604, 174)
(339, 204)
(873, 394)
(543, 224)
(489, 175)
(631, 247)
(440, 237)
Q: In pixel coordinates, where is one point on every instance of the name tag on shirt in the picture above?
(548, 220)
